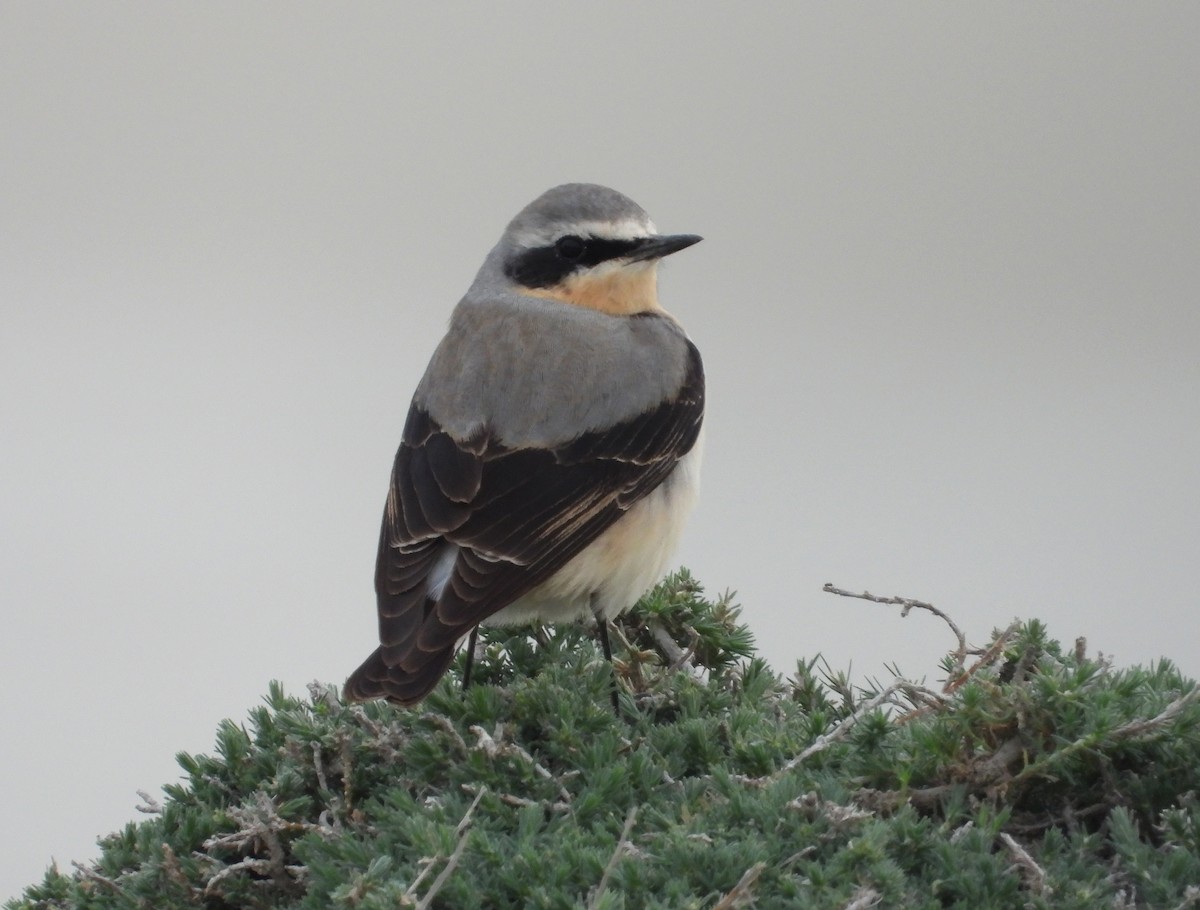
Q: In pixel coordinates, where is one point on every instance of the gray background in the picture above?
(947, 301)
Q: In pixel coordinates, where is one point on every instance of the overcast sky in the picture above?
(947, 300)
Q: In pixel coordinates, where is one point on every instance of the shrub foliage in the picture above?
(1035, 776)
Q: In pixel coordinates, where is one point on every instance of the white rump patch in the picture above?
(441, 570)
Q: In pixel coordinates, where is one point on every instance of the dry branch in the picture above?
(1033, 874)
(621, 849)
(740, 893)
(908, 603)
(452, 862)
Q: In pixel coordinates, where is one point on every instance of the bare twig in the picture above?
(260, 824)
(520, 802)
(320, 693)
(1137, 728)
(989, 772)
(91, 874)
(1033, 874)
(1191, 897)
(319, 767)
(444, 724)
(923, 701)
(995, 766)
(837, 734)
(150, 806)
(1134, 729)
(798, 855)
(986, 658)
(923, 799)
(960, 653)
(257, 866)
(452, 861)
(615, 628)
(1071, 816)
(427, 863)
(863, 899)
(387, 740)
(347, 754)
(961, 831)
(840, 732)
(465, 821)
(921, 697)
(629, 667)
(837, 815)
(495, 746)
(172, 867)
(677, 655)
(740, 892)
(621, 849)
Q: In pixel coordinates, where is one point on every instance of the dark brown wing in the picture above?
(517, 515)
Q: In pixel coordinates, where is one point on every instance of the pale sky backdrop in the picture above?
(947, 300)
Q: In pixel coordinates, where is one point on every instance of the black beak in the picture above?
(657, 247)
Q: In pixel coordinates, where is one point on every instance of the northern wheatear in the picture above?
(552, 448)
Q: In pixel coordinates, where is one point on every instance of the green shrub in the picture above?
(1036, 777)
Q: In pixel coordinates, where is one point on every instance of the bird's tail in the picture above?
(375, 679)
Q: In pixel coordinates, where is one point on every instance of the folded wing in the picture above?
(517, 516)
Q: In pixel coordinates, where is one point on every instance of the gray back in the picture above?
(538, 372)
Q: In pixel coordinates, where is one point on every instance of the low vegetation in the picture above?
(1033, 776)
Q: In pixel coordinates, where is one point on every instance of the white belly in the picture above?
(623, 563)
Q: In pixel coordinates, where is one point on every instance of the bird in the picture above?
(551, 452)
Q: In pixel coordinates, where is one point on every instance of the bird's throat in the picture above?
(621, 291)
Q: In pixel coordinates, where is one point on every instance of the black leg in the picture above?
(602, 631)
(470, 657)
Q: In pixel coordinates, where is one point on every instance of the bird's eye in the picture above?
(570, 248)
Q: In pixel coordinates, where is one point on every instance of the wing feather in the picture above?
(517, 515)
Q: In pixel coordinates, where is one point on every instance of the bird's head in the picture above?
(589, 246)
